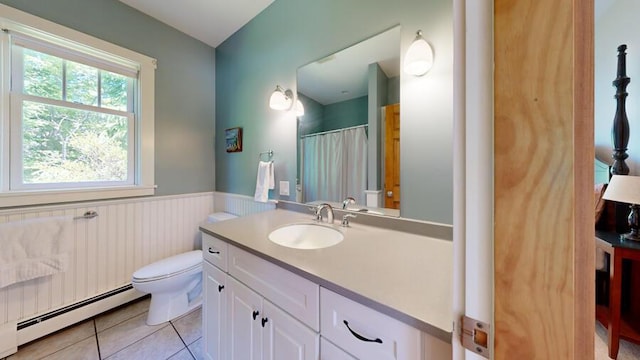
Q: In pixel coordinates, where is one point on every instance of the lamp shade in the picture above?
(419, 57)
(299, 108)
(281, 99)
(623, 188)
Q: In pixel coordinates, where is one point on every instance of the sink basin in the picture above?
(306, 236)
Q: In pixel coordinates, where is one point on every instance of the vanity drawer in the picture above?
(215, 251)
(292, 293)
(328, 351)
(366, 333)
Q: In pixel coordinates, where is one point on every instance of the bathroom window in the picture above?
(79, 120)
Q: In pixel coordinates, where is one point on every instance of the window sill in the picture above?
(40, 197)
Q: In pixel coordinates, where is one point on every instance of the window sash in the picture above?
(17, 79)
(16, 181)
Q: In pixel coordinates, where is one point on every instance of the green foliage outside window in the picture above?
(65, 144)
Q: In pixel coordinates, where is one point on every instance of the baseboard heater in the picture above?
(14, 333)
(39, 319)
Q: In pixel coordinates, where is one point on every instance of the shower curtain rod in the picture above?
(332, 131)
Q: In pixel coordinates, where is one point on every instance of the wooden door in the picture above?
(392, 157)
(543, 179)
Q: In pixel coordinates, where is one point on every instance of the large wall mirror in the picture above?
(349, 136)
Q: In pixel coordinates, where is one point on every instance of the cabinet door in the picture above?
(213, 313)
(244, 310)
(284, 337)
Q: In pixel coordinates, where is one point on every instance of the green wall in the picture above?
(267, 51)
(185, 78)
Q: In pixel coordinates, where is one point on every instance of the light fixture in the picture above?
(281, 99)
(419, 58)
(299, 108)
(626, 189)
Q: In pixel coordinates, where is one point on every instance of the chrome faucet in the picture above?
(345, 219)
(329, 212)
(347, 201)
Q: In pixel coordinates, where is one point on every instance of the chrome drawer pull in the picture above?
(360, 337)
(213, 252)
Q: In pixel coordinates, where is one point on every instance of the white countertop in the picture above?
(406, 276)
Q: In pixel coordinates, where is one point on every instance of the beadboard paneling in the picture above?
(126, 235)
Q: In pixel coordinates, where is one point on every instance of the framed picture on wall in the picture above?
(233, 138)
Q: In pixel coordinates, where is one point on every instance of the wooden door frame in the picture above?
(544, 264)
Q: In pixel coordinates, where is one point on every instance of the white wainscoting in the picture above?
(126, 235)
(240, 205)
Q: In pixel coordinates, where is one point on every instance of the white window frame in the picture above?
(143, 185)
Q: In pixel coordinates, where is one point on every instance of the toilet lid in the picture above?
(169, 266)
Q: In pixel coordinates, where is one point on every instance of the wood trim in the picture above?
(584, 155)
(543, 136)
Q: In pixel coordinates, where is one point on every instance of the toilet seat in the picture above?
(169, 267)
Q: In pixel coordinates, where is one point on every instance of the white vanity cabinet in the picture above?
(366, 333)
(244, 315)
(214, 312)
(260, 330)
(255, 309)
(240, 322)
(328, 351)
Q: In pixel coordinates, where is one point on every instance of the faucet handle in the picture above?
(345, 219)
(317, 216)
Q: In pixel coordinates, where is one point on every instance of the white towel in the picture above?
(264, 181)
(33, 248)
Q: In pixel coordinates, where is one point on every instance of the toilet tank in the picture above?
(220, 216)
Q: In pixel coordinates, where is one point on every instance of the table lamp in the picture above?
(626, 189)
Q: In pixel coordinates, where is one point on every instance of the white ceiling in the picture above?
(344, 75)
(210, 21)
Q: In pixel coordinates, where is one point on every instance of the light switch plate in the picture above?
(284, 188)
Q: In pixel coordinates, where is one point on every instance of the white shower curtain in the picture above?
(334, 165)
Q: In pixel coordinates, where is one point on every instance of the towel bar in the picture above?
(88, 215)
(269, 153)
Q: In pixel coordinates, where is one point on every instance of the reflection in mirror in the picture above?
(349, 134)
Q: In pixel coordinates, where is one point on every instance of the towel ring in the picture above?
(268, 153)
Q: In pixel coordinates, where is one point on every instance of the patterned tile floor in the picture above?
(121, 334)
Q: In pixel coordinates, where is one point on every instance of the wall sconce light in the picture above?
(419, 58)
(299, 108)
(626, 189)
(281, 99)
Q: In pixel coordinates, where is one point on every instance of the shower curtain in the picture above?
(334, 165)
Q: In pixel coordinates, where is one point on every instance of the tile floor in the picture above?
(121, 334)
(627, 351)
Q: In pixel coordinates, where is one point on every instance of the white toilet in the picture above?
(175, 283)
